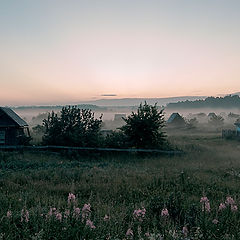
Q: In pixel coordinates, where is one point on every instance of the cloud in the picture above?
(109, 95)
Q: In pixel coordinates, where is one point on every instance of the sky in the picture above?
(55, 51)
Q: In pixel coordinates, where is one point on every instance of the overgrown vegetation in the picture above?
(35, 188)
(78, 127)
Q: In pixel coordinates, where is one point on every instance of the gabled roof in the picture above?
(173, 116)
(10, 113)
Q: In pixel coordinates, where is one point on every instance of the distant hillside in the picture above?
(231, 101)
(137, 101)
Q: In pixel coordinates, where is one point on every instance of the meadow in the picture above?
(124, 196)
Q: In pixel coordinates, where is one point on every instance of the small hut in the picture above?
(237, 124)
(13, 129)
(176, 120)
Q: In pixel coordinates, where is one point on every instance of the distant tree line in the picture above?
(79, 127)
(210, 102)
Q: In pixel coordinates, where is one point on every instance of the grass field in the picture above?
(35, 187)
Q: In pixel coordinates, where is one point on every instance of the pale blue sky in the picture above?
(74, 50)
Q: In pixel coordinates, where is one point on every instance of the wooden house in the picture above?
(176, 120)
(13, 129)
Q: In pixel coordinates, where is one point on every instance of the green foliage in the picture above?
(144, 128)
(116, 139)
(73, 127)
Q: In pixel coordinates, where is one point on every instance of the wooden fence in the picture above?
(59, 148)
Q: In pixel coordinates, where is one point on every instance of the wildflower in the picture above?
(9, 214)
(221, 206)
(204, 199)
(129, 233)
(185, 231)
(76, 212)
(24, 215)
(90, 224)
(215, 221)
(205, 204)
(86, 211)
(229, 201)
(66, 213)
(164, 213)
(234, 208)
(71, 198)
(59, 216)
(51, 211)
(147, 234)
(139, 214)
(106, 218)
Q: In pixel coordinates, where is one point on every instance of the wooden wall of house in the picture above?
(12, 135)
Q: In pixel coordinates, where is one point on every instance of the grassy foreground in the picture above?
(130, 196)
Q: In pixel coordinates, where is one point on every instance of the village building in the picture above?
(237, 124)
(13, 129)
(176, 120)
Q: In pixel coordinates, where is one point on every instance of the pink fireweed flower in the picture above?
(204, 199)
(229, 201)
(71, 198)
(139, 214)
(51, 212)
(86, 210)
(221, 206)
(185, 231)
(164, 213)
(129, 233)
(9, 214)
(205, 204)
(24, 215)
(59, 216)
(234, 208)
(106, 218)
(90, 224)
(66, 213)
(215, 221)
(76, 212)
(147, 234)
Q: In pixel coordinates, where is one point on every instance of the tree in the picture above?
(216, 120)
(144, 128)
(192, 123)
(73, 127)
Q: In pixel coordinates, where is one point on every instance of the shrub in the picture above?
(144, 128)
(73, 127)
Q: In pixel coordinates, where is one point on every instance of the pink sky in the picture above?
(60, 53)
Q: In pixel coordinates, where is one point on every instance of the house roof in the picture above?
(10, 113)
(173, 116)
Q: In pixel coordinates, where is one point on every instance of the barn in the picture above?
(13, 129)
(176, 120)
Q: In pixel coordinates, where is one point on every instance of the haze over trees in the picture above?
(78, 127)
(210, 102)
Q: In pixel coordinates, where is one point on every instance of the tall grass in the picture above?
(116, 186)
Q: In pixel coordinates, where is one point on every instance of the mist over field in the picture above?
(120, 120)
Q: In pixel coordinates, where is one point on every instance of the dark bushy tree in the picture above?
(73, 127)
(144, 128)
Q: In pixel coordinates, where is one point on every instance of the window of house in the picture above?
(2, 137)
